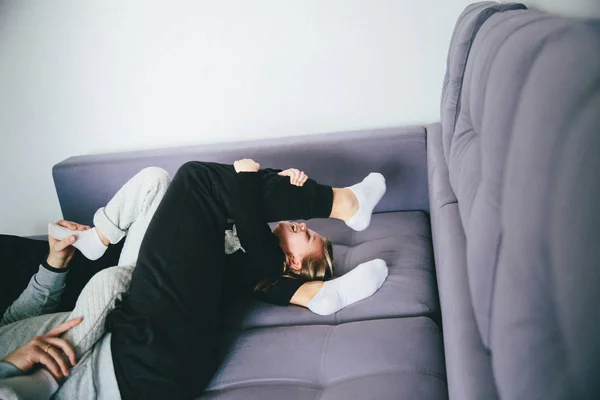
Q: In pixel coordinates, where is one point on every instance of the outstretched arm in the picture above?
(261, 246)
(42, 295)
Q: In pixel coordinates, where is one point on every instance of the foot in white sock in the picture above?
(358, 284)
(88, 242)
(368, 192)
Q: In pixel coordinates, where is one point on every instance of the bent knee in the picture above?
(110, 280)
(156, 175)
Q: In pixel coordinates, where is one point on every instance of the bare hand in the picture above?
(246, 165)
(61, 251)
(48, 350)
(297, 177)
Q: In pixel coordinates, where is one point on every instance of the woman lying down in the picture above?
(166, 287)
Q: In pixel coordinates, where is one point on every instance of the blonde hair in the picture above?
(315, 267)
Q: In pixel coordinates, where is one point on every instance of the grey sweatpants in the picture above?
(128, 213)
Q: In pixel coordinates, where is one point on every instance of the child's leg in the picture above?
(128, 213)
(130, 210)
(96, 300)
(284, 201)
(170, 318)
(353, 205)
(358, 284)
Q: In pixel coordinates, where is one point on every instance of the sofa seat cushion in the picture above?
(378, 359)
(402, 239)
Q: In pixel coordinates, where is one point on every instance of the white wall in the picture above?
(569, 8)
(81, 77)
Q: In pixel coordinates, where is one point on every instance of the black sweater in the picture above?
(264, 257)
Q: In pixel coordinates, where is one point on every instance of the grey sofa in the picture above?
(502, 194)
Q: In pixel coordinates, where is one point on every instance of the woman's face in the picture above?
(297, 241)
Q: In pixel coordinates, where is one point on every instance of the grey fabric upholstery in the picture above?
(548, 277)
(469, 363)
(510, 178)
(402, 239)
(520, 158)
(86, 183)
(378, 359)
(466, 28)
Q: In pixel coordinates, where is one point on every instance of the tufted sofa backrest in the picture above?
(522, 145)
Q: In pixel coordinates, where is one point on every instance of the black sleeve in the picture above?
(264, 255)
(281, 291)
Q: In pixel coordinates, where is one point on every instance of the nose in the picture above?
(303, 226)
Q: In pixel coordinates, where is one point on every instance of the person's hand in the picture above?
(297, 177)
(61, 251)
(48, 350)
(246, 165)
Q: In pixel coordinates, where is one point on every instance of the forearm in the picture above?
(261, 246)
(41, 296)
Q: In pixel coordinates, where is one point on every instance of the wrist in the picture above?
(56, 263)
(15, 363)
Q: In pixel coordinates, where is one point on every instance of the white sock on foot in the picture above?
(358, 284)
(368, 192)
(88, 242)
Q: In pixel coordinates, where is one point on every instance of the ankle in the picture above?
(103, 238)
(345, 204)
(352, 203)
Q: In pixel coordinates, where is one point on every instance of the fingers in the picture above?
(302, 179)
(67, 224)
(59, 359)
(64, 327)
(50, 362)
(72, 225)
(297, 177)
(62, 344)
(63, 244)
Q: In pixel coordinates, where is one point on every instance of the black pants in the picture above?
(21, 257)
(165, 333)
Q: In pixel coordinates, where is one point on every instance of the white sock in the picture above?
(368, 192)
(358, 284)
(88, 242)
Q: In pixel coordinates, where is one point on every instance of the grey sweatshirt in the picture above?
(92, 377)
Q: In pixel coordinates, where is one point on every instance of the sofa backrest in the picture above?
(465, 30)
(85, 183)
(523, 154)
